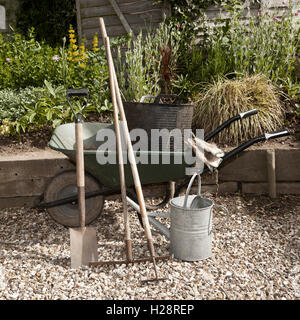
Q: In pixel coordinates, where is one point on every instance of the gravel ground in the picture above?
(254, 256)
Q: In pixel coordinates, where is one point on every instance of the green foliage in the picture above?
(25, 62)
(13, 102)
(51, 19)
(47, 72)
(37, 108)
(202, 51)
(265, 44)
(47, 107)
(149, 64)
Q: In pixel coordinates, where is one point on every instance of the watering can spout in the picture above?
(157, 224)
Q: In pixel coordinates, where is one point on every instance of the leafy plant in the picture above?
(47, 108)
(263, 43)
(226, 98)
(13, 102)
(25, 62)
(149, 63)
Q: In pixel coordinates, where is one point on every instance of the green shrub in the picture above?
(35, 108)
(13, 102)
(25, 62)
(226, 98)
(265, 44)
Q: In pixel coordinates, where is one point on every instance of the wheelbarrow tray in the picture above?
(63, 140)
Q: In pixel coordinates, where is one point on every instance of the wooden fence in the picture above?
(123, 16)
(120, 16)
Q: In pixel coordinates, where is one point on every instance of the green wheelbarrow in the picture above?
(60, 196)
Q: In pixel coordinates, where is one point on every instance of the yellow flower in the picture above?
(74, 47)
(75, 60)
(71, 30)
(70, 58)
(71, 36)
(75, 53)
(95, 43)
(82, 65)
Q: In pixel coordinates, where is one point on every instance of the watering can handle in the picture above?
(190, 186)
(222, 222)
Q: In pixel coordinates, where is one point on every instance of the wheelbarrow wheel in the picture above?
(64, 185)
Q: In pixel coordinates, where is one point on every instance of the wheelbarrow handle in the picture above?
(224, 125)
(240, 148)
(248, 114)
(277, 134)
(247, 144)
(77, 92)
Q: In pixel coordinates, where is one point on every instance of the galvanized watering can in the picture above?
(191, 227)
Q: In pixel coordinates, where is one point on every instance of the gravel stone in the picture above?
(255, 256)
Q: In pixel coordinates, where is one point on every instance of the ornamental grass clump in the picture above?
(226, 98)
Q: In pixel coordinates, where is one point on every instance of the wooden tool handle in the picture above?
(80, 173)
(135, 174)
(120, 155)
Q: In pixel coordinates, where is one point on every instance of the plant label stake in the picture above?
(83, 240)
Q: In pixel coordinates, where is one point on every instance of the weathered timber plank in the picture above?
(17, 202)
(78, 19)
(287, 165)
(118, 30)
(29, 187)
(99, 3)
(214, 14)
(140, 7)
(132, 18)
(276, 3)
(209, 178)
(271, 169)
(249, 166)
(288, 188)
(18, 170)
(225, 187)
(120, 15)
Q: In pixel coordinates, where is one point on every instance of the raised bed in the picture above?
(23, 177)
